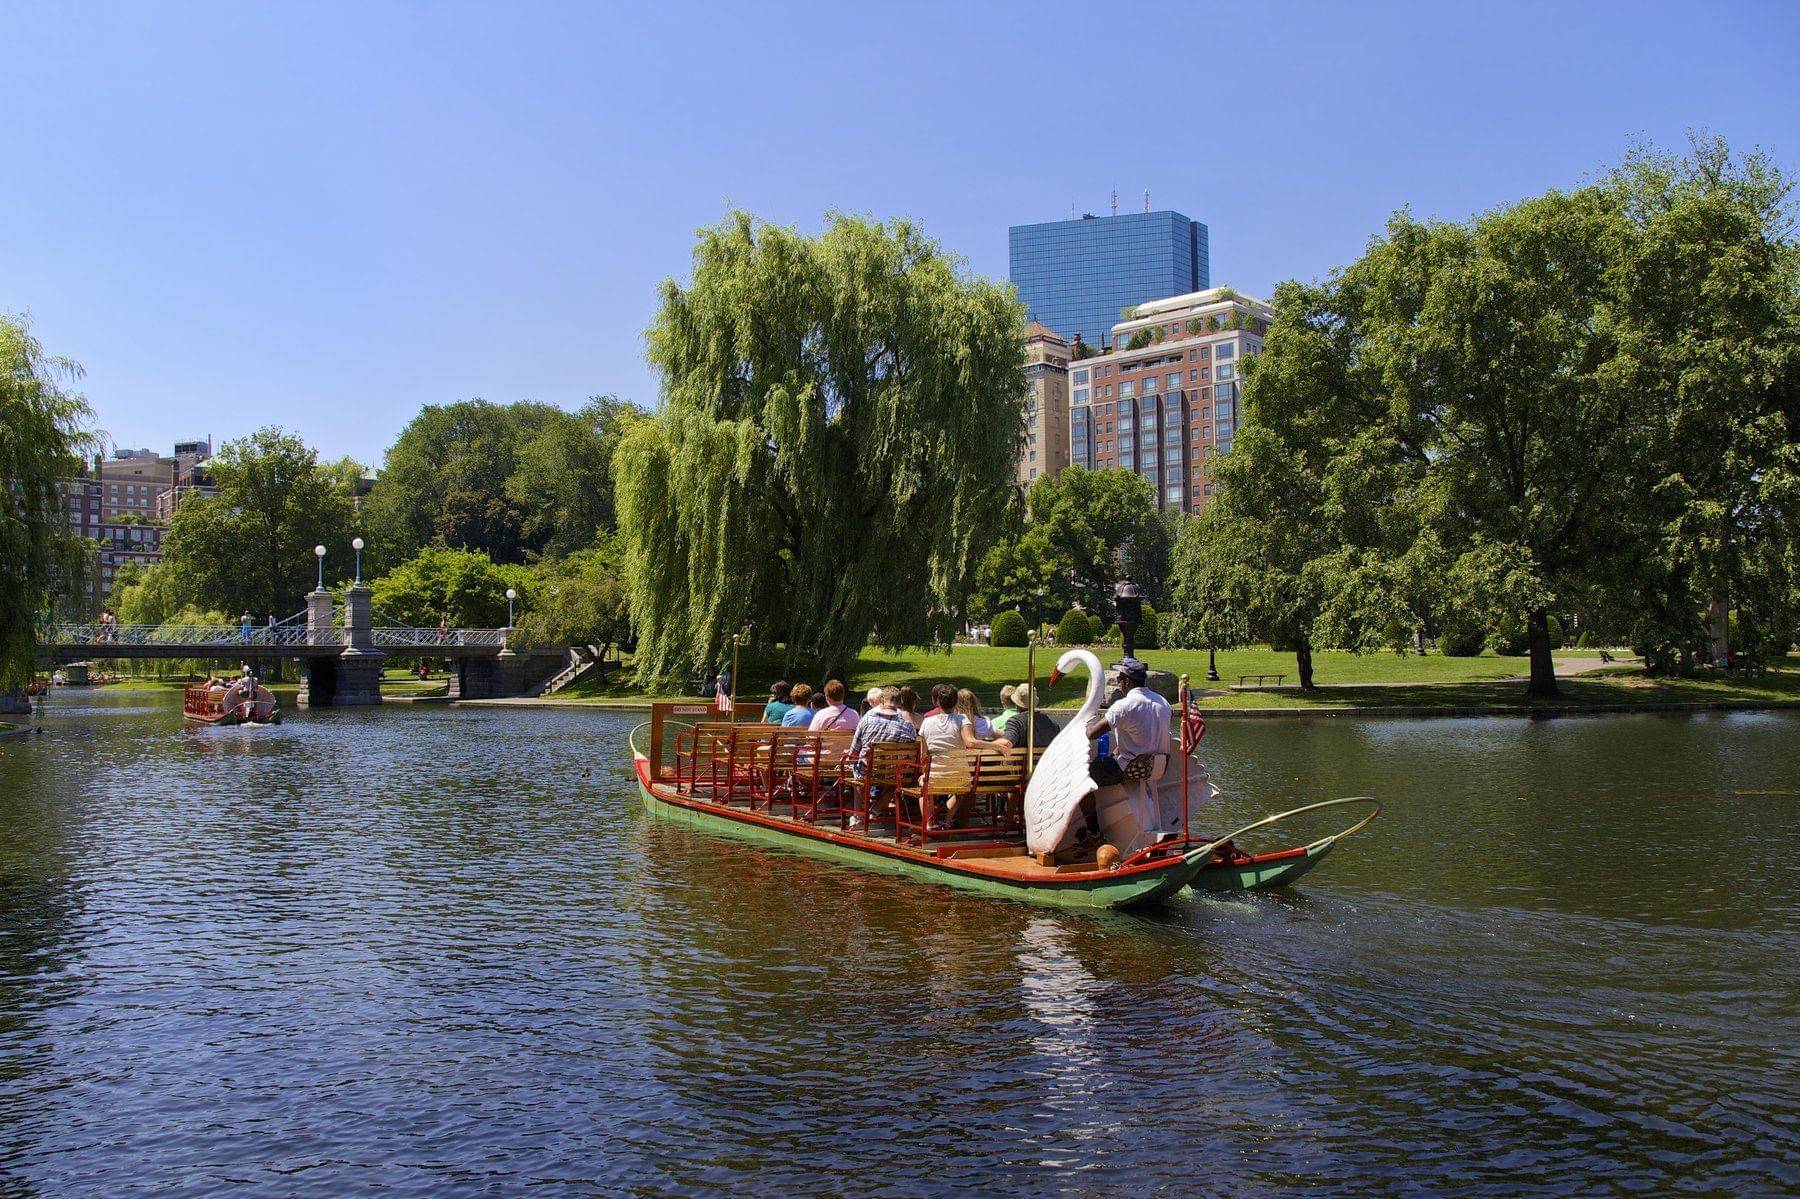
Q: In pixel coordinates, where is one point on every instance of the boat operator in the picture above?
(1126, 805)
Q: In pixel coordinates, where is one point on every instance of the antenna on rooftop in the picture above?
(1146, 199)
(1115, 201)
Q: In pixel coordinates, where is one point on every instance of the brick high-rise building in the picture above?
(1163, 401)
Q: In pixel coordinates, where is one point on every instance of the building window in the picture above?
(1081, 395)
(1225, 350)
(1150, 383)
(1125, 388)
(1206, 489)
(1081, 376)
(1205, 352)
(1174, 381)
(1226, 371)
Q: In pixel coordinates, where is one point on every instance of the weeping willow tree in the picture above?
(43, 436)
(839, 423)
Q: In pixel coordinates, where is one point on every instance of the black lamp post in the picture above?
(1212, 666)
(1130, 608)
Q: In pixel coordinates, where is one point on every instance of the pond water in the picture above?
(443, 951)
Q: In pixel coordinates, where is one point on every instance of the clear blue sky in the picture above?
(326, 216)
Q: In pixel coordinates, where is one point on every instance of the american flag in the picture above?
(723, 702)
(1193, 725)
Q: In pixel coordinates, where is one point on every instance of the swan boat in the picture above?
(229, 706)
(789, 788)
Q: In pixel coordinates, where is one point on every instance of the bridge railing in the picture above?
(227, 636)
(197, 635)
(400, 637)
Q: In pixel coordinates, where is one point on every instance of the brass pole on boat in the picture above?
(1181, 740)
(737, 639)
(1031, 701)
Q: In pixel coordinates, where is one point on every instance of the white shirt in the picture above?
(942, 733)
(1140, 724)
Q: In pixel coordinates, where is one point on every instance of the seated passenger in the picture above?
(1043, 730)
(1008, 706)
(884, 722)
(837, 715)
(778, 705)
(799, 713)
(977, 731)
(941, 728)
(907, 700)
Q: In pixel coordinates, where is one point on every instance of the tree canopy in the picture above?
(43, 436)
(464, 587)
(250, 547)
(513, 481)
(840, 419)
(1582, 401)
(1085, 530)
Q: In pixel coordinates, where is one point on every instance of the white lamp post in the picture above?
(356, 544)
(319, 553)
(511, 595)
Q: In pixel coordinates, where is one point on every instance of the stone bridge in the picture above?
(340, 664)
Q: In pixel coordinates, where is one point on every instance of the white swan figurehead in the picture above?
(1061, 780)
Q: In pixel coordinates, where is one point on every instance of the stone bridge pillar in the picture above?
(359, 666)
(318, 675)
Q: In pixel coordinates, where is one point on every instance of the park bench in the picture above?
(1261, 679)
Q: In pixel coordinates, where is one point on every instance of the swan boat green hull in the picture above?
(1262, 872)
(1012, 877)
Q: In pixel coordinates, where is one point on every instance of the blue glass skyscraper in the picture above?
(1075, 276)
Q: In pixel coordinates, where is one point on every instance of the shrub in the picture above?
(1510, 640)
(1009, 629)
(1149, 630)
(1556, 633)
(1459, 641)
(1139, 340)
(1585, 641)
(1072, 629)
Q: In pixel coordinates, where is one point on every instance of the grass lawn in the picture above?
(1345, 680)
(398, 681)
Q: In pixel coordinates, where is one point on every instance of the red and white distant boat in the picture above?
(236, 704)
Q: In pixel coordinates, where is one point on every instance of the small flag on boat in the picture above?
(1193, 725)
(723, 702)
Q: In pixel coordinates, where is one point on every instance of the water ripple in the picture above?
(418, 951)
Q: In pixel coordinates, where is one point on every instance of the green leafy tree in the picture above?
(840, 421)
(1293, 547)
(43, 436)
(513, 481)
(1085, 531)
(146, 597)
(250, 547)
(580, 600)
(561, 485)
(465, 587)
(1709, 333)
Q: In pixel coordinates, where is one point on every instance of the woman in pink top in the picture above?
(836, 716)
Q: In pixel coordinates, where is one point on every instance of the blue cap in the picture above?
(1131, 666)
